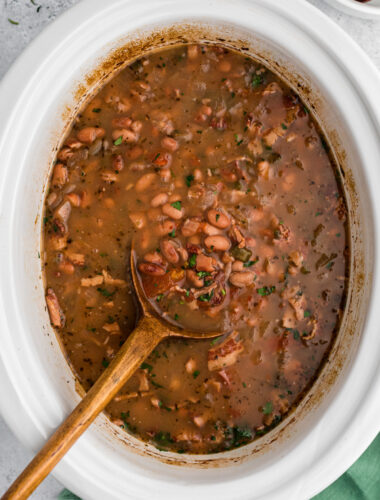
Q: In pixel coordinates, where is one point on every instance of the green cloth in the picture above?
(361, 481)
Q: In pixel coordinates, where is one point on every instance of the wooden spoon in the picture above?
(149, 332)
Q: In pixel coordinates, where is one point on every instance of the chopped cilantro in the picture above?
(176, 317)
(265, 290)
(172, 234)
(105, 292)
(206, 297)
(256, 81)
(146, 366)
(306, 314)
(118, 141)
(177, 205)
(284, 126)
(192, 260)
(105, 363)
(159, 297)
(196, 373)
(96, 110)
(267, 408)
(189, 180)
(222, 291)
(202, 274)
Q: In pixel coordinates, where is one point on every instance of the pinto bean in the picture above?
(66, 267)
(194, 240)
(169, 251)
(154, 257)
(125, 134)
(242, 279)
(89, 134)
(217, 243)
(183, 253)
(151, 269)
(198, 175)
(195, 280)
(134, 153)
(238, 265)
(60, 175)
(145, 182)
(172, 212)
(165, 175)
(121, 122)
(117, 163)
(159, 199)
(210, 230)
(170, 144)
(218, 218)
(166, 227)
(224, 66)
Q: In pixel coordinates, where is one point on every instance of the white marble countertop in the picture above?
(13, 39)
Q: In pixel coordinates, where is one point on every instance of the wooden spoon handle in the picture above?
(135, 349)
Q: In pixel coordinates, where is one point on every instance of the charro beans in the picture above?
(209, 168)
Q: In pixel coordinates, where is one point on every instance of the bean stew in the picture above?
(220, 175)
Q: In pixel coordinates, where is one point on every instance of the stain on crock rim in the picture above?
(344, 346)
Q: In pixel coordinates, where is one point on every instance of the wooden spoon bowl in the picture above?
(150, 330)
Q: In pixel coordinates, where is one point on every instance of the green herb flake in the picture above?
(267, 408)
(189, 179)
(176, 317)
(159, 297)
(257, 80)
(13, 22)
(105, 363)
(105, 292)
(146, 366)
(196, 373)
(306, 314)
(318, 213)
(172, 234)
(265, 290)
(177, 205)
(203, 274)
(118, 141)
(223, 292)
(284, 127)
(251, 262)
(192, 260)
(96, 110)
(206, 297)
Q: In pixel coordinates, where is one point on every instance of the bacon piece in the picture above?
(225, 354)
(95, 281)
(57, 317)
(112, 328)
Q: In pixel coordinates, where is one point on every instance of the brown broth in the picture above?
(220, 174)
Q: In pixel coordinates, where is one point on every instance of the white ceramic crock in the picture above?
(369, 10)
(339, 417)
